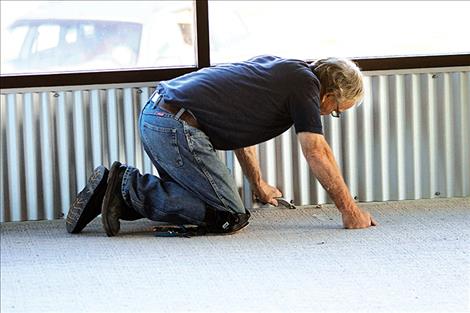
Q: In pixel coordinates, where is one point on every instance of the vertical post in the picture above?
(202, 33)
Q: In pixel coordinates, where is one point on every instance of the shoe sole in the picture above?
(112, 181)
(87, 204)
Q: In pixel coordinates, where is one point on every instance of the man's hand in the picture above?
(266, 193)
(357, 218)
(250, 166)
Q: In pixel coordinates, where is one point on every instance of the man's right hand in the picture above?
(266, 193)
(357, 218)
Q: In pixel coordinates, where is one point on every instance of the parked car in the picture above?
(92, 36)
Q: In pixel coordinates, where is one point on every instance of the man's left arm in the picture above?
(250, 166)
(322, 163)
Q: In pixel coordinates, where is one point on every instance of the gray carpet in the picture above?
(416, 260)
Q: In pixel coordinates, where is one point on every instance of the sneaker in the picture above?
(87, 204)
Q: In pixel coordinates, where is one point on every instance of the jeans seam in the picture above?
(124, 187)
(203, 169)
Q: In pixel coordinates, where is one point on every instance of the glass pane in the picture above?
(64, 36)
(313, 29)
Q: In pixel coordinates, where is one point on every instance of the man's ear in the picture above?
(326, 95)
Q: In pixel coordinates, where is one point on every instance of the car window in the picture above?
(71, 35)
(47, 37)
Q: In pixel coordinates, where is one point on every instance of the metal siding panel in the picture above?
(129, 127)
(304, 178)
(432, 131)
(296, 183)
(30, 148)
(416, 109)
(459, 140)
(79, 140)
(268, 161)
(4, 213)
(244, 188)
(47, 156)
(366, 189)
(440, 126)
(230, 162)
(234, 168)
(247, 194)
(423, 137)
(465, 137)
(400, 136)
(449, 136)
(63, 152)
(458, 111)
(13, 154)
(349, 155)
(286, 165)
(383, 138)
(113, 127)
(96, 128)
(146, 165)
(409, 139)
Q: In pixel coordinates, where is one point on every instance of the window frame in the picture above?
(203, 60)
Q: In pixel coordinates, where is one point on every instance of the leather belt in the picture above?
(174, 109)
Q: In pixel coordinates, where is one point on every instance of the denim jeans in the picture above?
(191, 174)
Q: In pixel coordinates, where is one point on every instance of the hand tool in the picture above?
(283, 202)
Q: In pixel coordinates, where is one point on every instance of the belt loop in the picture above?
(155, 98)
(180, 112)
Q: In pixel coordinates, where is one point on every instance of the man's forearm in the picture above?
(327, 172)
(324, 167)
(249, 164)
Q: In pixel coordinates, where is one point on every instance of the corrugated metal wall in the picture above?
(410, 139)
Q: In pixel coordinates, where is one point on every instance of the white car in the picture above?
(106, 35)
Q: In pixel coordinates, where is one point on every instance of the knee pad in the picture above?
(221, 221)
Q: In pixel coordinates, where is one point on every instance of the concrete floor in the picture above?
(416, 260)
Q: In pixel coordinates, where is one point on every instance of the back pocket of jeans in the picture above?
(163, 144)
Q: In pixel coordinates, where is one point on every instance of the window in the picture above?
(46, 38)
(313, 29)
(156, 40)
(13, 41)
(64, 36)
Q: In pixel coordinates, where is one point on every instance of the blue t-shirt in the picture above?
(246, 103)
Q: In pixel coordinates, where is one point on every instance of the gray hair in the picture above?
(341, 77)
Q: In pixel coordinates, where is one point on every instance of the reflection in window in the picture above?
(14, 41)
(88, 30)
(313, 29)
(47, 37)
(70, 36)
